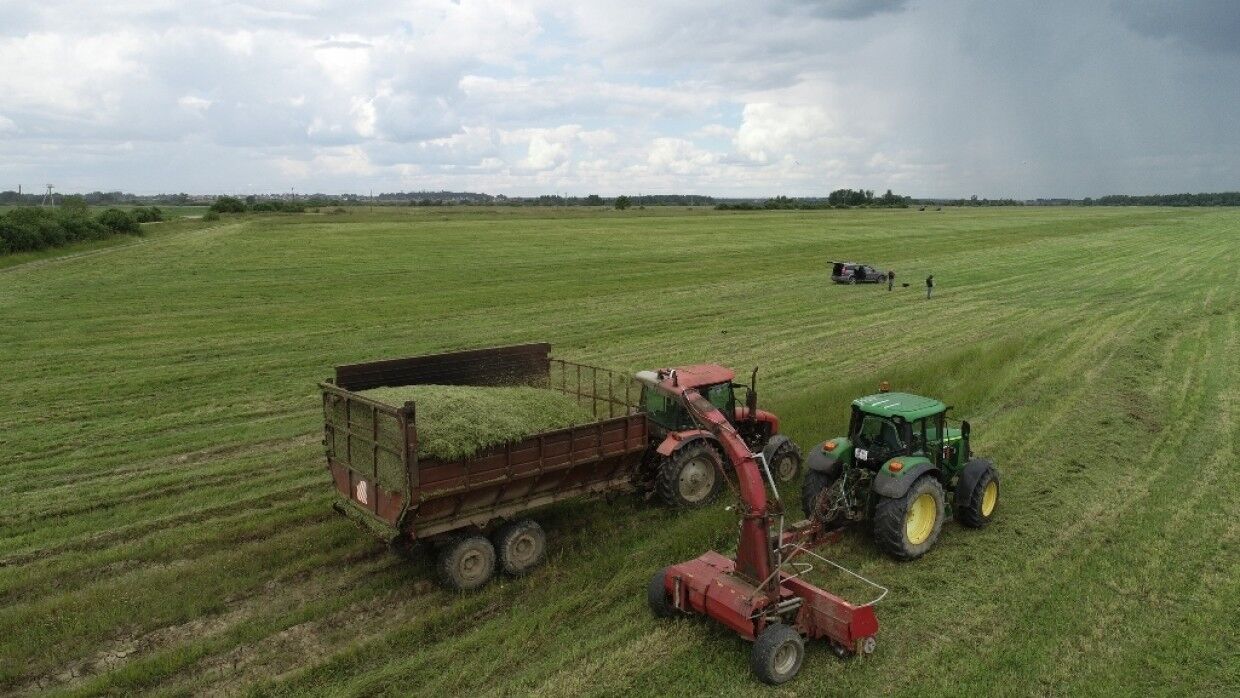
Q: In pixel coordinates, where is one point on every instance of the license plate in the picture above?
(862, 454)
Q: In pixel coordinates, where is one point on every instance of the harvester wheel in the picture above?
(690, 477)
(777, 654)
(907, 527)
(785, 464)
(467, 563)
(979, 509)
(816, 484)
(521, 546)
(656, 596)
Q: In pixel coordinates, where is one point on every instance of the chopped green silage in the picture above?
(459, 421)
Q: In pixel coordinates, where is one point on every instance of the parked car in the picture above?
(854, 273)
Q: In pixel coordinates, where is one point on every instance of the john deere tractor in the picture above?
(904, 469)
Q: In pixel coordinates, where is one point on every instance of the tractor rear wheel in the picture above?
(690, 477)
(777, 654)
(656, 596)
(466, 563)
(816, 485)
(979, 509)
(521, 545)
(907, 527)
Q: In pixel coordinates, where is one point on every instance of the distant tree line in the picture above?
(25, 229)
(1224, 198)
(232, 204)
(840, 198)
(971, 201)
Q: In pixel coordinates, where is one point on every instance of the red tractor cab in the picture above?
(687, 460)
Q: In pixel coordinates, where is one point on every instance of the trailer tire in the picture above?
(690, 477)
(521, 546)
(777, 654)
(902, 525)
(656, 596)
(466, 563)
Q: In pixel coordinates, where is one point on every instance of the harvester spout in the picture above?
(754, 554)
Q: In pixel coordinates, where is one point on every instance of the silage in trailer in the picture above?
(456, 421)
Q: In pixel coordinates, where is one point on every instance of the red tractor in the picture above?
(760, 594)
(687, 461)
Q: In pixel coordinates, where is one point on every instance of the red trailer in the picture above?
(475, 509)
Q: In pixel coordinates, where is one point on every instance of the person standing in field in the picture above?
(929, 285)
(891, 279)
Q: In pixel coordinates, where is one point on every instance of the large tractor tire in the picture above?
(521, 546)
(816, 484)
(656, 596)
(777, 654)
(907, 527)
(466, 563)
(691, 477)
(785, 464)
(976, 508)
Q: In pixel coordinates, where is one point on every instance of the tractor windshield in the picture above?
(664, 410)
(879, 433)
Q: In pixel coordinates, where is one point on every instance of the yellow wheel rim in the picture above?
(919, 520)
(990, 497)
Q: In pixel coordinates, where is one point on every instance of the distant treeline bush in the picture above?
(1223, 198)
(971, 201)
(840, 198)
(27, 229)
(232, 204)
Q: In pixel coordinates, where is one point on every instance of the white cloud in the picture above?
(530, 96)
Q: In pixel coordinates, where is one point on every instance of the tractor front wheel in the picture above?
(785, 464)
(777, 654)
(907, 527)
(979, 509)
(690, 477)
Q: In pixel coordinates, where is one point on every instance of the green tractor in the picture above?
(895, 468)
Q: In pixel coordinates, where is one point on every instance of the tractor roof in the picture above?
(904, 405)
(694, 376)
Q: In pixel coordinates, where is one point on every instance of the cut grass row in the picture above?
(161, 443)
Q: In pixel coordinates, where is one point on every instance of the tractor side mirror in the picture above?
(964, 429)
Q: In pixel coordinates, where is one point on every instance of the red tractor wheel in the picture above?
(690, 477)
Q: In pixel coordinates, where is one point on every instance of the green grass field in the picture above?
(166, 523)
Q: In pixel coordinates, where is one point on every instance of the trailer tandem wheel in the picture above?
(521, 546)
(466, 563)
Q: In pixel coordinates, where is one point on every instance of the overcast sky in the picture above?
(944, 98)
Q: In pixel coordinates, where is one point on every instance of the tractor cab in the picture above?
(887, 425)
(672, 425)
(660, 398)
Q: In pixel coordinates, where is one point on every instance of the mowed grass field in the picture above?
(164, 507)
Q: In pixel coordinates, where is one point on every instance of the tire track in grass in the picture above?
(1162, 638)
(1035, 566)
(1090, 373)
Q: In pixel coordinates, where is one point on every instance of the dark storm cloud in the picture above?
(1211, 25)
(843, 9)
(942, 98)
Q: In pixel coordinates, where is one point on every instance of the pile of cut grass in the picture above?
(459, 421)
